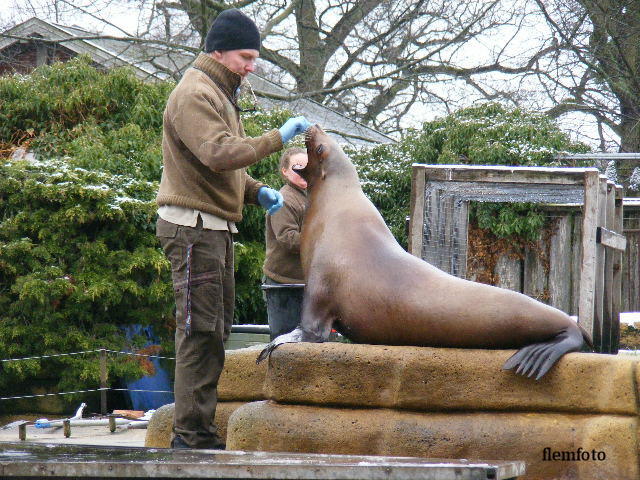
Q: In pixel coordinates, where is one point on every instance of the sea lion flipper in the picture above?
(536, 359)
(297, 335)
(533, 361)
(515, 359)
(552, 358)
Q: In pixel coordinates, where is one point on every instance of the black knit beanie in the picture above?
(232, 30)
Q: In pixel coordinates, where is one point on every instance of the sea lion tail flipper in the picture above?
(538, 358)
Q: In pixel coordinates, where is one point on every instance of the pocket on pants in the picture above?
(207, 306)
(165, 229)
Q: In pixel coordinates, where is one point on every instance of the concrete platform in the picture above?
(79, 435)
(21, 460)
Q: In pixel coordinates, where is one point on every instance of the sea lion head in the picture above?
(324, 156)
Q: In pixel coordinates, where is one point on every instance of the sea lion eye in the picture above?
(320, 149)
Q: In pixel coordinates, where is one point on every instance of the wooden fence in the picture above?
(580, 268)
(631, 258)
(549, 270)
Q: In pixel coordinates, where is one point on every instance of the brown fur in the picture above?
(361, 282)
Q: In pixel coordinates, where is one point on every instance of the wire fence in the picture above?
(104, 387)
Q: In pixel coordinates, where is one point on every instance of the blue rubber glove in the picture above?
(270, 199)
(293, 127)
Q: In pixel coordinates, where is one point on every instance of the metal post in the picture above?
(67, 427)
(22, 431)
(103, 381)
(112, 423)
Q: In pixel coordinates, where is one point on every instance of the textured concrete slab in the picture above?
(241, 378)
(241, 381)
(447, 379)
(160, 426)
(269, 426)
(17, 460)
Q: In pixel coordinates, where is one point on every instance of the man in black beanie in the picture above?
(203, 188)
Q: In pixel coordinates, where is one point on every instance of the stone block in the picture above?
(446, 379)
(241, 378)
(241, 381)
(159, 430)
(268, 426)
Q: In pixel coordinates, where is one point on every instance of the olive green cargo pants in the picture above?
(203, 283)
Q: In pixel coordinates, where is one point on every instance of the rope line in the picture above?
(84, 352)
(134, 390)
(90, 390)
(52, 394)
(48, 356)
(85, 391)
(140, 354)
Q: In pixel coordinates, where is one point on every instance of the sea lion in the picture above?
(361, 282)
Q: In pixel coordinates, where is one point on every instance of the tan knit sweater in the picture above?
(282, 235)
(204, 147)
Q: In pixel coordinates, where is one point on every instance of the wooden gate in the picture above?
(439, 225)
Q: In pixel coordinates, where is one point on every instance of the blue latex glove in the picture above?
(293, 127)
(270, 199)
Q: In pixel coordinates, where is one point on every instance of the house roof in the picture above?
(152, 62)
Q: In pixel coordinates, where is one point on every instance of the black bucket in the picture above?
(284, 306)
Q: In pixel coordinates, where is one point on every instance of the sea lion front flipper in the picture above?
(295, 336)
(536, 359)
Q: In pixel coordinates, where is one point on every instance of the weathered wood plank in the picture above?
(632, 274)
(631, 258)
(576, 262)
(617, 272)
(534, 282)
(599, 310)
(445, 240)
(416, 221)
(611, 239)
(461, 238)
(508, 272)
(608, 226)
(586, 309)
(430, 225)
(560, 264)
(478, 173)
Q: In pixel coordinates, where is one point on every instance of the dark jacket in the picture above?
(282, 233)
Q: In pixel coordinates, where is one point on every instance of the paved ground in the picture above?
(79, 435)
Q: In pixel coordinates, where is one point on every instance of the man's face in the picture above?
(299, 160)
(241, 62)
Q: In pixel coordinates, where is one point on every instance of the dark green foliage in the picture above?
(78, 259)
(385, 176)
